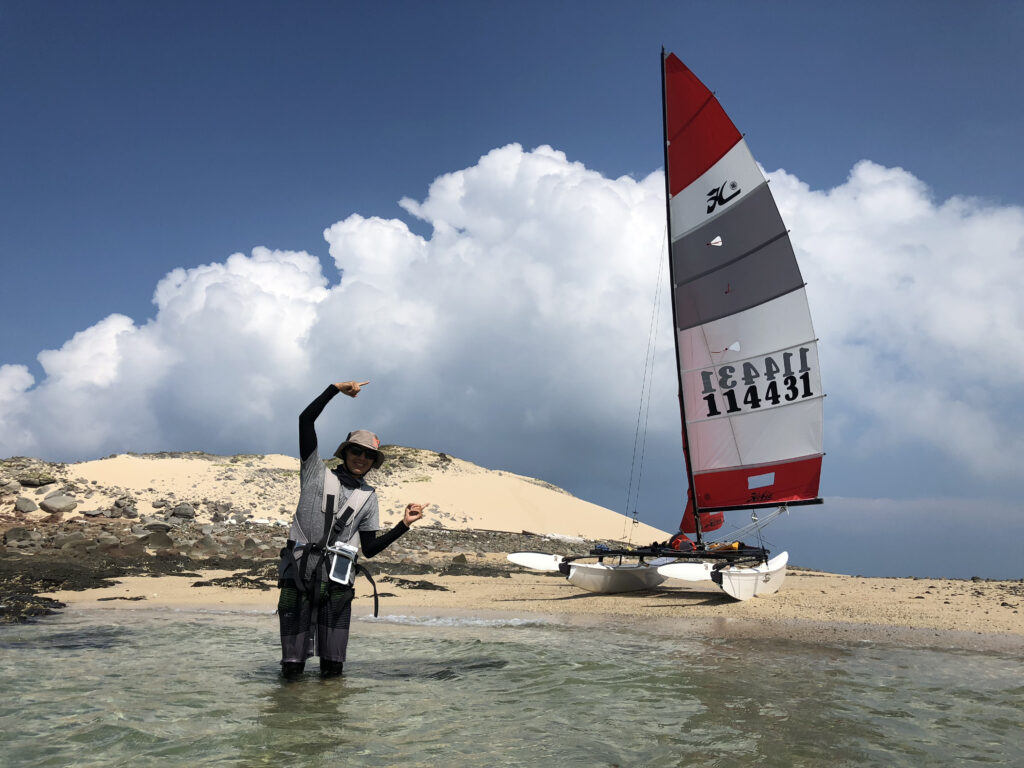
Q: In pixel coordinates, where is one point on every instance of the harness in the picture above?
(319, 550)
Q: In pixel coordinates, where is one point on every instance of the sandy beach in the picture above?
(215, 525)
(811, 606)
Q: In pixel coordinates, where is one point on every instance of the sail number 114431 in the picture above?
(750, 386)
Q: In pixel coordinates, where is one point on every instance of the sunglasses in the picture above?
(355, 450)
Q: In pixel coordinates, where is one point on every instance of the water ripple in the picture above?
(185, 690)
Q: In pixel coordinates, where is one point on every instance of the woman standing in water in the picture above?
(335, 507)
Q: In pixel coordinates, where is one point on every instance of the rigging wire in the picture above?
(756, 526)
(644, 409)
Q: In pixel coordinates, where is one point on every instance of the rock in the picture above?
(230, 549)
(93, 512)
(25, 505)
(417, 584)
(43, 490)
(17, 534)
(67, 540)
(20, 608)
(460, 559)
(59, 505)
(132, 549)
(36, 478)
(159, 540)
(205, 547)
(156, 526)
(159, 504)
(184, 511)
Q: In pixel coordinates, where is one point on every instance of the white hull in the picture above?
(765, 579)
(738, 583)
(598, 577)
(537, 561)
(683, 571)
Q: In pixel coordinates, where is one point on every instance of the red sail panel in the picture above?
(772, 484)
(699, 131)
(709, 521)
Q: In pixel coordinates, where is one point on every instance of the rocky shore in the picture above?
(86, 554)
(44, 552)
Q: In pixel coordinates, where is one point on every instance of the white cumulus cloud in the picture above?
(514, 334)
(917, 306)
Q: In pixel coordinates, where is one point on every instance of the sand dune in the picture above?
(463, 494)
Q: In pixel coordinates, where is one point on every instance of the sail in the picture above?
(709, 521)
(746, 350)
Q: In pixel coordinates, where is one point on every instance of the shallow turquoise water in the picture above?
(144, 688)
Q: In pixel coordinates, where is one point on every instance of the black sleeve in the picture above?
(374, 544)
(307, 434)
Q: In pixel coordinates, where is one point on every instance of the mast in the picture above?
(672, 283)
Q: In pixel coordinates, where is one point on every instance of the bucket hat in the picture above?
(364, 439)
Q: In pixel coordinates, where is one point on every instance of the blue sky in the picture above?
(143, 138)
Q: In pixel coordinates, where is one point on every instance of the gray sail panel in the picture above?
(746, 282)
(754, 222)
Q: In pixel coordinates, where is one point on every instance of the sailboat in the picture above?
(750, 393)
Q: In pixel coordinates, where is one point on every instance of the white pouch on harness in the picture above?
(343, 563)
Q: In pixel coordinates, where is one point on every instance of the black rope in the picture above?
(644, 409)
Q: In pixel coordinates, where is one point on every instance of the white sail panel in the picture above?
(769, 327)
(760, 437)
(713, 192)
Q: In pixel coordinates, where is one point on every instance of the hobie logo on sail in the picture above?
(718, 196)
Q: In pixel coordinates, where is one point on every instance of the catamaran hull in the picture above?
(745, 583)
(536, 561)
(609, 579)
(738, 583)
(595, 577)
